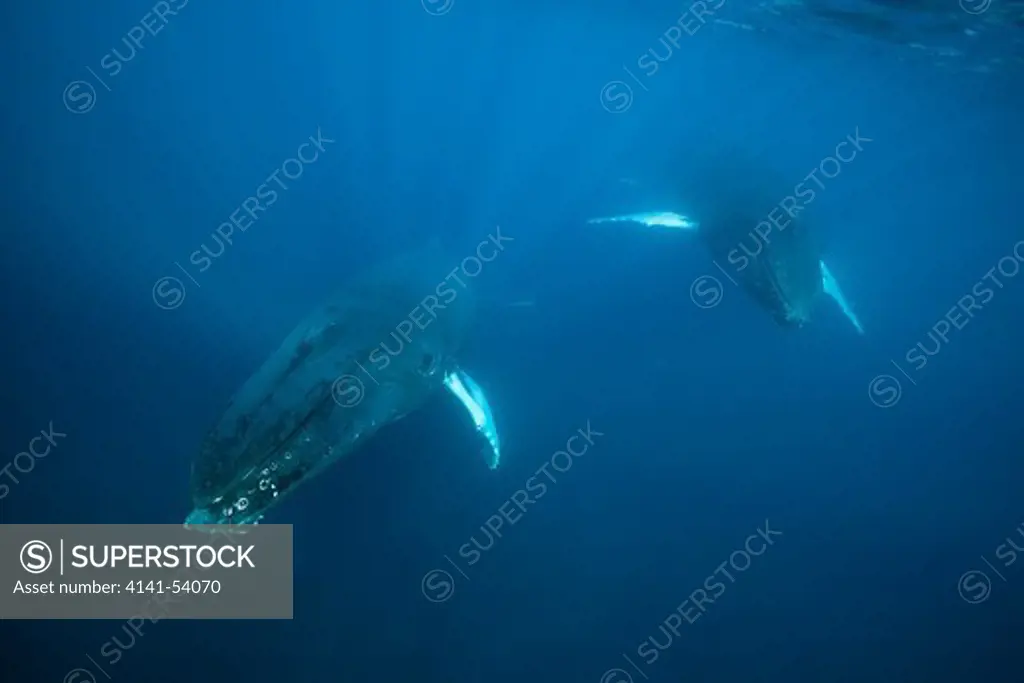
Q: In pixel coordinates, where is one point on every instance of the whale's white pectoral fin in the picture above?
(472, 398)
(831, 287)
(652, 219)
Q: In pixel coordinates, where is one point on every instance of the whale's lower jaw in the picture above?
(200, 519)
(251, 503)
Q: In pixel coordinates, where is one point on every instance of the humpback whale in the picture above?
(784, 275)
(354, 365)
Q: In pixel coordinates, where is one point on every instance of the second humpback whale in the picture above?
(785, 275)
(352, 367)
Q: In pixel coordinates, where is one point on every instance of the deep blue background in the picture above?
(714, 420)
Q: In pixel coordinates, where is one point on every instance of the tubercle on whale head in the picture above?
(246, 500)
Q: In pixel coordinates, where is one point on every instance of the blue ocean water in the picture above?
(755, 503)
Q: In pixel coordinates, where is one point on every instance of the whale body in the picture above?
(353, 366)
(784, 275)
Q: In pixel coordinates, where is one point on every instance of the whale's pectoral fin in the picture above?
(652, 219)
(472, 398)
(831, 287)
